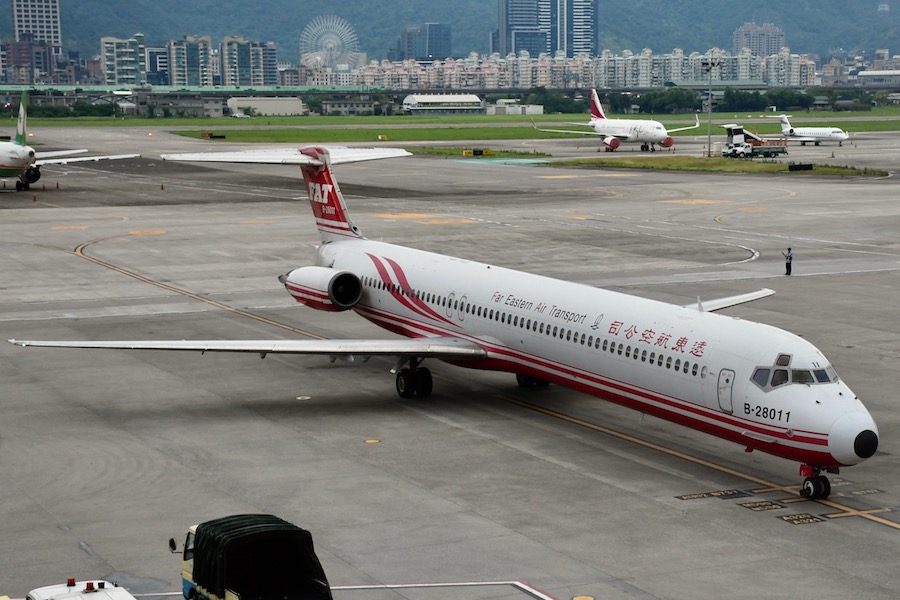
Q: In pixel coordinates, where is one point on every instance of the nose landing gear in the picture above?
(815, 485)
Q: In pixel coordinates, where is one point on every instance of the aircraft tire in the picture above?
(808, 489)
(19, 186)
(525, 381)
(424, 383)
(406, 383)
(825, 486)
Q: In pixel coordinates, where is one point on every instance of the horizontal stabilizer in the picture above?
(289, 156)
(720, 303)
(441, 348)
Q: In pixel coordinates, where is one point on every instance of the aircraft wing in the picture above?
(694, 126)
(624, 136)
(720, 303)
(64, 161)
(439, 347)
(56, 153)
(289, 156)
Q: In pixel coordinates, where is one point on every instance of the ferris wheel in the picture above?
(328, 41)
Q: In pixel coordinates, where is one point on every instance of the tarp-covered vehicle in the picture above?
(251, 557)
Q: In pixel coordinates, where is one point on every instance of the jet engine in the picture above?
(323, 288)
(667, 143)
(31, 175)
(611, 142)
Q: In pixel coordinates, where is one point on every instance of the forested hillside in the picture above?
(816, 26)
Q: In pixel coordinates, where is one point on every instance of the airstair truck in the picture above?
(745, 144)
(251, 557)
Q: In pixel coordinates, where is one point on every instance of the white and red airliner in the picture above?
(750, 383)
(647, 132)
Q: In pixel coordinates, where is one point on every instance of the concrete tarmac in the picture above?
(104, 455)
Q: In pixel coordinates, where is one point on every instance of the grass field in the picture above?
(717, 165)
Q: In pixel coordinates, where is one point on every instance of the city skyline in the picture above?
(691, 25)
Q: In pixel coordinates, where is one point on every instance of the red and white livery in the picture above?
(756, 385)
(646, 132)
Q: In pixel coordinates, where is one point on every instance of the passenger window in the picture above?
(644, 356)
(620, 349)
(694, 370)
(627, 351)
(669, 362)
(568, 334)
(687, 366)
(677, 364)
(780, 377)
(605, 344)
(590, 340)
(541, 328)
(761, 377)
(555, 328)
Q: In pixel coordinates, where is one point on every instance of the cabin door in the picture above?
(726, 383)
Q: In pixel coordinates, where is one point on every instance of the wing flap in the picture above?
(728, 301)
(289, 156)
(442, 348)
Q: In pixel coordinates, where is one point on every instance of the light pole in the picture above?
(709, 64)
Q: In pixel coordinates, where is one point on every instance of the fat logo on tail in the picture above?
(325, 197)
(596, 107)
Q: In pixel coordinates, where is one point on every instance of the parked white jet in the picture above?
(812, 134)
(647, 132)
(753, 384)
(19, 160)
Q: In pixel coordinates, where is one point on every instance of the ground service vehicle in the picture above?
(766, 148)
(93, 589)
(250, 557)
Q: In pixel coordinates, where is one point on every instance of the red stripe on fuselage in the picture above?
(673, 409)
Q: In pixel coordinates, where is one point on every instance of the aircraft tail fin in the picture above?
(325, 197)
(596, 107)
(21, 134)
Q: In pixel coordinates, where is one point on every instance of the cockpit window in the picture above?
(780, 377)
(761, 376)
(770, 377)
(802, 376)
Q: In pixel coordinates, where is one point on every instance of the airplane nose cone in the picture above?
(853, 438)
(866, 444)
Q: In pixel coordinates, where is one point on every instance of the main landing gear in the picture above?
(527, 381)
(815, 485)
(414, 381)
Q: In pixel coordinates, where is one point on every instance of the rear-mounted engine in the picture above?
(323, 288)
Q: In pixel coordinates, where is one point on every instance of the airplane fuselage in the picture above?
(15, 159)
(633, 130)
(750, 383)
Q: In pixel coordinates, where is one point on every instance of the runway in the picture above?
(104, 455)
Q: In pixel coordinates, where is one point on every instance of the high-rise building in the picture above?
(190, 61)
(124, 61)
(40, 18)
(762, 40)
(248, 63)
(547, 26)
(576, 28)
(426, 41)
(522, 25)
